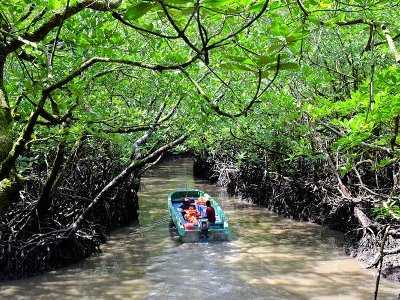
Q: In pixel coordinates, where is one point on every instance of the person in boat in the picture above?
(185, 204)
(210, 212)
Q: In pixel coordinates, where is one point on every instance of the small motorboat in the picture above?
(187, 208)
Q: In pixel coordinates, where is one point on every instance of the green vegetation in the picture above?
(263, 82)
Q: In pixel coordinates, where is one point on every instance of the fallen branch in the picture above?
(135, 165)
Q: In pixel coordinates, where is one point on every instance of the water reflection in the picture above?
(268, 258)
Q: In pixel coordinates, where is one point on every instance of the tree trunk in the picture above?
(133, 166)
(45, 200)
(5, 114)
(7, 185)
(8, 163)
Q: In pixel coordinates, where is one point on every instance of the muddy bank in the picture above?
(307, 192)
(294, 195)
(29, 245)
(269, 258)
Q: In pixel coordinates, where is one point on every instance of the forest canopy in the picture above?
(253, 80)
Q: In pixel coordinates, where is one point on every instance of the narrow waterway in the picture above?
(268, 258)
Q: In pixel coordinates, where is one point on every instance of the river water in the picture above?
(269, 257)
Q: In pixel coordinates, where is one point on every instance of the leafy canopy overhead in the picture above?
(272, 72)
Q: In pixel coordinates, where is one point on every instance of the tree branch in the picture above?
(120, 18)
(257, 95)
(247, 25)
(140, 141)
(134, 165)
(53, 51)
(181, 33)
(390, 42)
(341, 134)
(87, 64)
(57, 19)
(303, 9)
(258, 145)
(7, 164)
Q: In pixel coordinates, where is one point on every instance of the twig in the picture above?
(381, 261)
(53, 51)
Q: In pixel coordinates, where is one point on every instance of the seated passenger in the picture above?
(210, 212)
(201, 201)
(185, 204)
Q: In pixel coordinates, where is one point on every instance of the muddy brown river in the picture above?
(269, 257)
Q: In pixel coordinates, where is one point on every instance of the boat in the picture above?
(197, 227)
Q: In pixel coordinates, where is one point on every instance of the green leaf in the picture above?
(263, 60)
(139, 10)
(236, 67)
(55, 4)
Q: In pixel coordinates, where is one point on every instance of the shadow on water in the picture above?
(268, 257)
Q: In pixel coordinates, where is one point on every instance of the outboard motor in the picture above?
(204, 227)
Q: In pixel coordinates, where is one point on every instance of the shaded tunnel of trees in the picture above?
(293, 104)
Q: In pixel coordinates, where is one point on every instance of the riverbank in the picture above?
(303, 192)
(30, 245)
(270, 257)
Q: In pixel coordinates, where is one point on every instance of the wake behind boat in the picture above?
(187, 208)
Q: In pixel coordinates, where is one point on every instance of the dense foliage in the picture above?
(265, 82)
